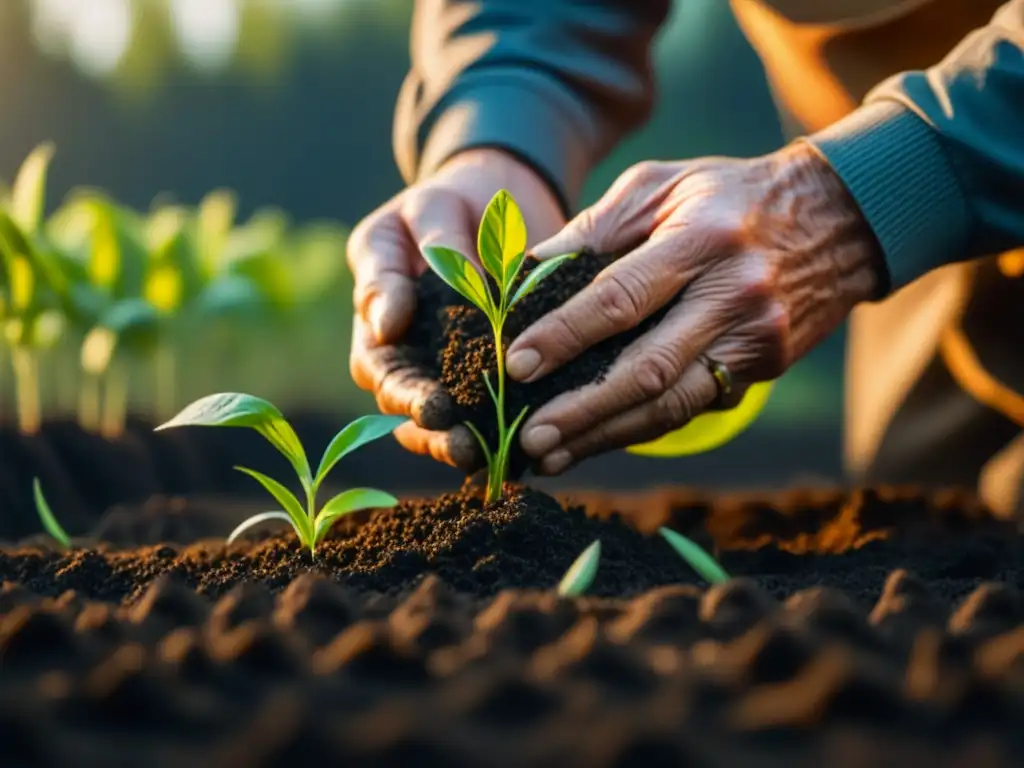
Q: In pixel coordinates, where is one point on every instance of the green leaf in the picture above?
(456, 270)
(237, 409)
(511, 271)
(581, 573)
(44, 269)
(46, 516)
(360, 432)
(214, 218)
(695, 556)
(296, 514)
(262, 517)
(28, 195)
(347, 502)
(538, 273)
(230, 295)
(133, 324)
(117, 257)
(488, 456)
(502, 235)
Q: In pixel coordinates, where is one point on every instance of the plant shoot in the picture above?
(501, 244)
(236, 409)
(46, 516)
(581, 573)
(695, 556)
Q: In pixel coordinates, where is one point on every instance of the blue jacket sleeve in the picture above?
(555, 82)
(935, 159)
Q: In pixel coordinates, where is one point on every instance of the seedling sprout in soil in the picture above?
(582, 572)
(501, 244)
(236, 409)
(46, 516)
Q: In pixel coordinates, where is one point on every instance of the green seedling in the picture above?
(695, 556)
(31, 317)
(501, 244)
(581, 573)
(46, 516)
(236, 409)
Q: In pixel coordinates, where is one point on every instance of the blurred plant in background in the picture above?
(128, 294)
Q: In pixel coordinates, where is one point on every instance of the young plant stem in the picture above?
(496, 479)
(89, 402)
(25, 362)
(115, 402)
(165, 383)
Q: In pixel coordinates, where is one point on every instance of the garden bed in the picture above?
(865, 626)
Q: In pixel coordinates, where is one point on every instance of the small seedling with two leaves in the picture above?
(582, 572)
(236, 409)
(501, 244)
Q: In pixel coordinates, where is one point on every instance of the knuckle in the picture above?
(643, 172)
(655, 372)
(621, 299)
(778, 333)
(673, 409)
(565, 338)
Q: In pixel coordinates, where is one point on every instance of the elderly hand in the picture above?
(384, 255)
(769, 256)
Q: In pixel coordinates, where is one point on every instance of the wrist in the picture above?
(836, 218)
(508, 171)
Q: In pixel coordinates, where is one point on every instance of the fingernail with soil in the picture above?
(522, 363)
(541, 440)
(556, 463)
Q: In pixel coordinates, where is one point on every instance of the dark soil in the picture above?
(862, 628)
(454, 341)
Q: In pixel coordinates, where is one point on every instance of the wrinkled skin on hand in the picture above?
(769, 256)
(384, 253)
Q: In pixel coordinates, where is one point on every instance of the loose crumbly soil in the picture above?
(861, 628)
(453, 340)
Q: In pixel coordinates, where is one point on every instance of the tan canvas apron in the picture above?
(821, 58)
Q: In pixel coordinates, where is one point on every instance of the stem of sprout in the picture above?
(164, 385)
(115, 402)
(89, 403)
(26, 388)
(497, 475)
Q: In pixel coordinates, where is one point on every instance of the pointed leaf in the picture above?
(538, 273)
(695, 556)
(262, 517)
(456, 270)
(236, 409)
(488, 455)
(581, 573)
(347, 502)
(28, 195)
(45, 272)
(502, 235)
(46, 516)
(296, 514)
(360, 432)
(511, 272)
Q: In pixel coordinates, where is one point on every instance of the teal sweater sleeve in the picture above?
(935, 159)
(555, 82)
